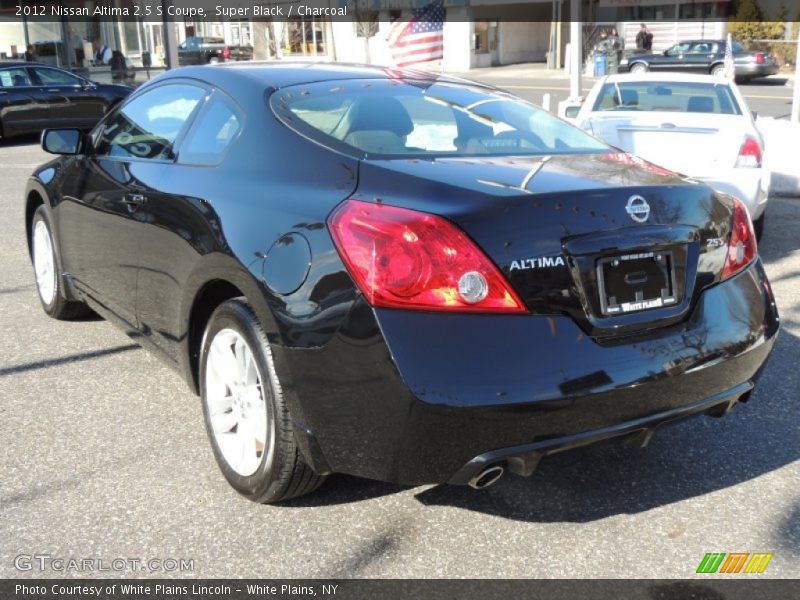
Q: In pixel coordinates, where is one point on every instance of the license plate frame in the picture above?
(636, 270)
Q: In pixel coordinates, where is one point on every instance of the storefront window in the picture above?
(705, 10)
(481, 44)
(304, 38)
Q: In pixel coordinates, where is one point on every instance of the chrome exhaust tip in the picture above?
(487, 477)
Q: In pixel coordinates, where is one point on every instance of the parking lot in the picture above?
(105, 456)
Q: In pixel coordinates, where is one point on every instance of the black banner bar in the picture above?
(732, 588)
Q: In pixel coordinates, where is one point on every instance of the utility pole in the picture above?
(170, 41)
(576, 51)
(796, 94)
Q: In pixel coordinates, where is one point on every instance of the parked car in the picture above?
(34, 96)
(702, 56)
(397, 275)
(203, 50)
(697, 125)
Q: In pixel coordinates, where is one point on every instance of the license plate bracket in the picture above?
(636, 281)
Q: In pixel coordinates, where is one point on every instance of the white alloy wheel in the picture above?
(44, 262)
(236, 404)
(639, 68)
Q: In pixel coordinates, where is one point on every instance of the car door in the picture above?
(700, 56)
(180, 228)
(672, 59)
(190, 52)
(73, 101)
(101, 215)
(22, 108)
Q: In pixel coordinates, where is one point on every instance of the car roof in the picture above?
(15, 63)
(664, 77)
(283, 74)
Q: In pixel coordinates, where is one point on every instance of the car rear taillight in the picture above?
(749, 153)
(401, 258)
(759, 58)
(226, 53)
(742, 247)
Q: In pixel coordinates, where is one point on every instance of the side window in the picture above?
(212, 133)
(55, 77)
(14, 78)
(701, 48)
(148, 125)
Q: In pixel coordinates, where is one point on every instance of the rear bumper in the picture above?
(756, 70)
(413, 397)
(524, 459)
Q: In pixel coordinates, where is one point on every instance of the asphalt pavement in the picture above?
(104, 456)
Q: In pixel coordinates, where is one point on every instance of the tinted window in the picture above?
(147, 126)
(401, 118)
(55, 77)
(714, 98)
(678, 49)
(703, 48)
(211, 133)
(14, 78)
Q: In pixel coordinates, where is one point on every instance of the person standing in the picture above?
(76, 47)
(102, 53)
(30, 54)
(644, 39)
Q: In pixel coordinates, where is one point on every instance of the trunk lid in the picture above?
(694, 144)
(555, 225)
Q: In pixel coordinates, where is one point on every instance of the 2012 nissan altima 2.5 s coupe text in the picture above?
(397, 275)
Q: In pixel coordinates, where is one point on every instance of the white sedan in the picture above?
(696, 125)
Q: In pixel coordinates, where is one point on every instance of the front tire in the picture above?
(718, 70)
(49, 282)
(247, 420)
(639, 68)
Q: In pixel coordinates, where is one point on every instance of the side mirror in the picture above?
(571, 112)
(755, 114)
(62, 141)
(666, 52)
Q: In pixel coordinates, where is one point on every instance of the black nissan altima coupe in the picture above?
(395, 275)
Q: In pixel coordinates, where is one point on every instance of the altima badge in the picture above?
(638, 209)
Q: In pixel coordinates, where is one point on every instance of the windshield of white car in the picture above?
(669, 96)
(388, 118)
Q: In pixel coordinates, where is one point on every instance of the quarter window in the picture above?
(148, 125)
(212, 133)
(55, 77)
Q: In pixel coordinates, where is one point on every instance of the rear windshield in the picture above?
(402, 118)
(693, 97)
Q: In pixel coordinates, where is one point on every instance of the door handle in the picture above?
(53, 90)
(134, 199)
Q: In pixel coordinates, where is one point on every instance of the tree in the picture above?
(749, 21)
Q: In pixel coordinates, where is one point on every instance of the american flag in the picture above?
(730, 68)
(420, 38)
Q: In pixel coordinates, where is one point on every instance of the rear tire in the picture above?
(639, 68)
(213, 60)
(49, 281)
(718, 70)
(758, 226)
(247, 420)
